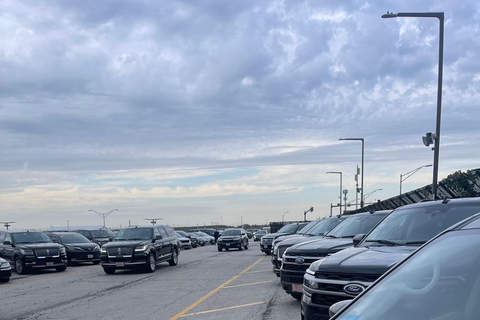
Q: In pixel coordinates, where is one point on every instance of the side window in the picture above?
(170, 231)
(8, 237)
(156, 233)
(2, 236)
(162, 232)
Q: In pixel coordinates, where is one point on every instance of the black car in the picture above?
(345, 274)
(257, 236)
(441, 280)
(5, 270)
(233, 238)
(267, 240)
(99, 236)
(79, 248)
(297, 255)
(140, 248)
(31, 250)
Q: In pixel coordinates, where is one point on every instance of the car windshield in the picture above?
(102, 233)
(323, 226)
(308, 226)
(183, 233)
(355, 225)
(72, 238)
(134, 234)
(440, 282)
(202, 234)
(289, 228)
(415, 226)
(30, 237)
(261, 232)
(234, 232)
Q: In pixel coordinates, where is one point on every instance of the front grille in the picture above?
(47, 253)
(184, 241)
(327, 300)
(305, 254)
(347, 276)
(295, 267)
(121, 251)
(267, 241)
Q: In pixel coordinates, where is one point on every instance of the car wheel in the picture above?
(109, 270)
(226, 249)
(20, 266)
(96, 262)
(151, 263)
(267, 252)
(297, 295)
(174, 260)
(60, 269)
(219, 249)
(4, 279)
(240, 248)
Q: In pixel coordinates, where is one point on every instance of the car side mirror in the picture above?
(358, 238)
(54, 240)
(335, 308)
(158, 238)
(7, 242)
(243, 234)
(110, 239)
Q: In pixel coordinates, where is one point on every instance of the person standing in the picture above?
(216, 234)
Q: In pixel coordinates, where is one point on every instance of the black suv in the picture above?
(233, 238)
(79, 248)
(347, 273)
(267, 240)
(297, 255)
(140, 247)
(99, 236)
(31, 249)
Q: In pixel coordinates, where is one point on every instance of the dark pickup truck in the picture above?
(267, 240)
(347, 273)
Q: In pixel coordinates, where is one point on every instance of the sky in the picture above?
(225, 112)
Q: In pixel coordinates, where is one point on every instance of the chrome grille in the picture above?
(47, 253)
(119, 251)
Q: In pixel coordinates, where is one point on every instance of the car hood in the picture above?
(35, 246)
(229, 237)
(275, 235)
(290, 241)
(376, 260)
(81, 245)
(322, 246)
(288, 237)
(116, 244)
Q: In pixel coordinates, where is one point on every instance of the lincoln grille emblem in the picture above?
(119, 251)
(48, 252)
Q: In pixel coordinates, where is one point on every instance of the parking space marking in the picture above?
(250, 284)
(269, 270)
(235, 307)
(183, 312)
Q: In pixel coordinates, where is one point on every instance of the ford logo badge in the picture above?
(353, 288)
(300, 260)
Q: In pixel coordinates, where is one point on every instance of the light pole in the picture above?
(340, 173)
(283, 215)
(407, 175)
(436, 149)
(370, 193)
(103, 215)
(363, 161)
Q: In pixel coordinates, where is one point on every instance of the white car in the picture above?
(184, 242)
(5, 270)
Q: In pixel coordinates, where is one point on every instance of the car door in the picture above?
(166, 242)
(7, 249)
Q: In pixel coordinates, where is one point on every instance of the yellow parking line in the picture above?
(250, 284)
(182, 313)
(260, 271)
(234, 307)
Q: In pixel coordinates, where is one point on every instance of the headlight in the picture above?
(4, 265)
(236, 238)
(141, 248)
(314, 267)
(103, 250)
(26, 252)
(310, 284)
(275, 246)
(97, 248)
(62, 250)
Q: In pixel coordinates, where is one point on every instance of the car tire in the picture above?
(246, 247)
(20, 266)
(297, 295)
(109, 270)
(174, 260)
(226, 249)
(151, 263)
(267, 252)
(219, 249)
(240, 248)
(4, 279)
(60, 269)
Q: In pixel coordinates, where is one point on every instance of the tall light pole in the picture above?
(436, 149)
(283, 215)
(363, 162)
(407, 175)
(104, 215)
(340, 173)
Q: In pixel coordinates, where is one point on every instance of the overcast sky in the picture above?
(207, 111)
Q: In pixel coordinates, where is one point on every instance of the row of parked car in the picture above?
(368, 256)
(133, 247)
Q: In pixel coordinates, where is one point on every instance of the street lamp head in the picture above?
(389, 15)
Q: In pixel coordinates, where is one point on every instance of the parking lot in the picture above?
(206, 284)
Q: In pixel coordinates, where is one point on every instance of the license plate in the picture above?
(49, 264)
(120, 264)
(227, 244)
(89, 256)
(297, 287)
(265, 246)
